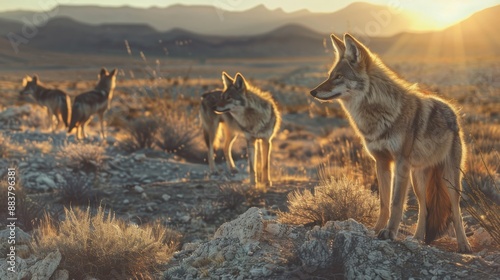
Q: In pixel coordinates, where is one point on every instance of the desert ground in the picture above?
(152, 169)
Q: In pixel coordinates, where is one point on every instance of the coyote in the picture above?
(56, 101)
(408, 132)
(210, 123)
(93, 102)
(255, 114)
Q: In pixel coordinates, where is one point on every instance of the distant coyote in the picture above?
(56, 101)
(256, 116)
(210, 123)
(408, 132)
(93, 102)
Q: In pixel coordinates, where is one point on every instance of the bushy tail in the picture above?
(66, 110)
(438, 205)
(75, 117)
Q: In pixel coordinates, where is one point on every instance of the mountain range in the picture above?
(210, 20)
(474, 36)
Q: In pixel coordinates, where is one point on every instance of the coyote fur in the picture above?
(211, 122)
(254, 113)
(56, 101)
(413, 137)
(93, 102)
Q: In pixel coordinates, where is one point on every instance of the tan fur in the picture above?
(211, 122)
(255, 114)
(56, 102)
(93, 102)
(401, 126)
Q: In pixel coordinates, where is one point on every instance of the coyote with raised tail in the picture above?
(255, 114)
(56, 101)
(96, 101)
(413, 137)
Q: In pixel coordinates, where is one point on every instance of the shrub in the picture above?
(77, 189)
(178, 133)
(104, 247)
(8, 149)
(85, 157)
(334, 199)
(232, 195)
(142, 134)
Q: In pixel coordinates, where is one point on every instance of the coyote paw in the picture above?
(386, 234)
(214, 173)
(464, 249)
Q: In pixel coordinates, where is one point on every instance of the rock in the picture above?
(247, 227)
(254, 247)
(138, 189)
(45, 268)
(45, 180)
(165, 197)
(140, 157)
(60, 274)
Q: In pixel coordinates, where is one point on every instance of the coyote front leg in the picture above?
(401, 181)
(384, 190)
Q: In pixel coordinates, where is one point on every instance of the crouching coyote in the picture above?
(412, 136)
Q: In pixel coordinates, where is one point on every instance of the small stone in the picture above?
(140, 157)
(138, 189)
(126, 201)
(165, 197)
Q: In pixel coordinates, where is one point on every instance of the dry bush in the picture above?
(142, 134)
(77, 189)
(28, 212)
(178, 134)
(85, 157)
(334, 199)
(8, 149)
(232, 195)
(104, 247)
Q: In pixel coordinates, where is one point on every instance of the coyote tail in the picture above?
(438, 205)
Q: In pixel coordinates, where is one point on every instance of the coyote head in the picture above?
(348, 76)
(30, 85)
(233, 95)
(106, 80)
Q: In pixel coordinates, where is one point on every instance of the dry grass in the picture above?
(9, 149)
(77, 189)
(104, 247)
(333, 200)
(82, 157)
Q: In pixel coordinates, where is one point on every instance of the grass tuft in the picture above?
(104, 247)
(333, 200)
(88, 158)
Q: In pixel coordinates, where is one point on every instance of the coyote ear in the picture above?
(35, 78)
(114, 72)
(26, 80)
(103, 71)
(226, 79)
(355, 51)
(239, 81)
(338, 46)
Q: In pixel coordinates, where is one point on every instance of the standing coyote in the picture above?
(56, 101)
(408, 132)
(256, 116)
(210, 123)
(93, 102)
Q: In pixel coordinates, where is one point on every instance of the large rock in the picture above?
(256, 247)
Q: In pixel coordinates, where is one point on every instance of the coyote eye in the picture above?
(338, 76)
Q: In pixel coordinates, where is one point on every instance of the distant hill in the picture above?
(213, 21)
(475, 36)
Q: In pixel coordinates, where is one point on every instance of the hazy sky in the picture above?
(440, 11)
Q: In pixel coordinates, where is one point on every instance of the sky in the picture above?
(442, 12)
